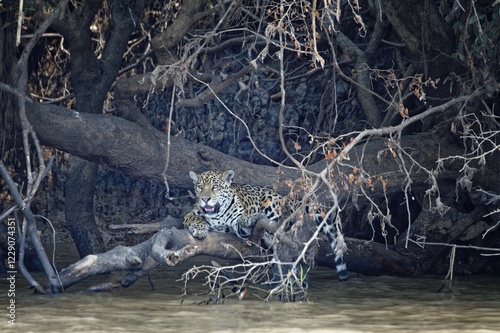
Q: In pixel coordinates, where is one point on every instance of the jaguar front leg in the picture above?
(196, 225)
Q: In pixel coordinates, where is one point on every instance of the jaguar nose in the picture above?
(205, 199)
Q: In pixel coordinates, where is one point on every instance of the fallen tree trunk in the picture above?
(170, 246)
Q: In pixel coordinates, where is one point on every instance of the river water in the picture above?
(362, 304)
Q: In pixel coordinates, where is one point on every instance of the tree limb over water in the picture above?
(170, 246)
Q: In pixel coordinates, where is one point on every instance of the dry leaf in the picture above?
(384, 183)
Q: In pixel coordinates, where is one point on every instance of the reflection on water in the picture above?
(363, 304)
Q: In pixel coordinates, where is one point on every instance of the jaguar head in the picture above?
(212, 190)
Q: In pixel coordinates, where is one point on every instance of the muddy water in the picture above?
(363, 304)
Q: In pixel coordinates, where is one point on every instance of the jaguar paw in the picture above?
(197, 233)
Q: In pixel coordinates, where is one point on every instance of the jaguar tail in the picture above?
(331, 232)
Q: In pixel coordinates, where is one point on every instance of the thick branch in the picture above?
(216, 85)
(365, 94)
(168, 246)
(172, 246)
(135, 150)
(141, 152)
(165, 41)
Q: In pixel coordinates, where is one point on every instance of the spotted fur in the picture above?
(224, 206)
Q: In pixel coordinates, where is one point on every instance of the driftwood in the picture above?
(170, 246)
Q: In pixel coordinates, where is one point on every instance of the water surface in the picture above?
(363, 304)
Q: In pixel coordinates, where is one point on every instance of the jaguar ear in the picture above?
(193, 176)
(228, 176)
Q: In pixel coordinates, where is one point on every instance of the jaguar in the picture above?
(224, 206)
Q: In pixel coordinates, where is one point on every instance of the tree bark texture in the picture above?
(142, 151)
(79, 208)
